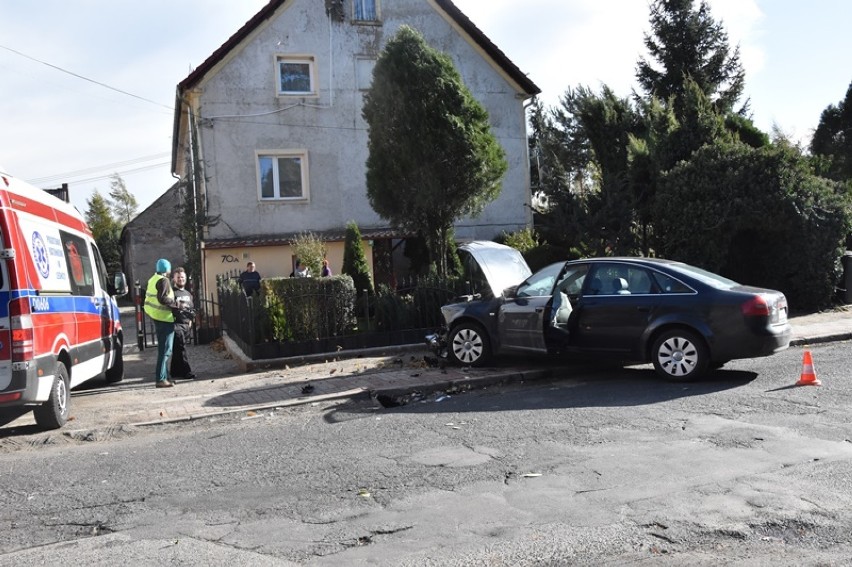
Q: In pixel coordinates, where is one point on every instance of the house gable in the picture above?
(277, 154)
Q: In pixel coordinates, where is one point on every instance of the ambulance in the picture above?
(59, 321)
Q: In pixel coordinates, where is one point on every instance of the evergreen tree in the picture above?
(354, 262)
(105, 229)
(433, 158)
(832, 140)
(687, 43)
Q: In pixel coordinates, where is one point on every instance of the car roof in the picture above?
(631, 260)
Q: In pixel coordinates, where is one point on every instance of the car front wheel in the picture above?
(680, 355)
(468, 345)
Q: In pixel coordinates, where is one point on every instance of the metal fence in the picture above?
(206, 328)
(388, 317)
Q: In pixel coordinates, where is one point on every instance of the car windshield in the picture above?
(705, 277)
(541, 282)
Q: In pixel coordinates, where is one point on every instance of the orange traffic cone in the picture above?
(808, 374)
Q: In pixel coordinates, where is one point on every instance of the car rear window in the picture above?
(705, 277)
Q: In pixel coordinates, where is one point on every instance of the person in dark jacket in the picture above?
(184, 313)
(250, 279)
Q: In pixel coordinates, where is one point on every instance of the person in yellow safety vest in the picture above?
(159, 300)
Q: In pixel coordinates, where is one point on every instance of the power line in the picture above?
(106, 176)
(82, 77)
(94, 169)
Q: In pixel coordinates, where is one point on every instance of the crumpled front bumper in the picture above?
(437, 342)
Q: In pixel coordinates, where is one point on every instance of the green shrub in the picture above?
(758, 216)
(276, 316)
(522, 240)
(310, 251)
(354, 263)
(392, 311)
(315, 307)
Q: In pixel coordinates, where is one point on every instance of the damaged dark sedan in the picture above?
(681, 318)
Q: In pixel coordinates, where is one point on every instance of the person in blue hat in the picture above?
(159, 301)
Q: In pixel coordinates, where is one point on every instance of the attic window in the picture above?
(296, 75)
(365, 10)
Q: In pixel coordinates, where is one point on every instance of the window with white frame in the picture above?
(296, 75)
(282, 175)
(365, 10)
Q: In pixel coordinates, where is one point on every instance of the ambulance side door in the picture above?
(5, 328)
(87, 346)
(108, 311)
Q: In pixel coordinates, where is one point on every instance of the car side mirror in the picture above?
(510, 292)
(118, 287)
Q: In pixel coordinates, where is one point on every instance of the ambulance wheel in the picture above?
(116, 373)
(53, 413)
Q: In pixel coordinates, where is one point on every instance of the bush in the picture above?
(522, 240)
(315, 307)
(393, 311)
(354, 263)
(276, 317)
(758, 216)
(546, 254)
(310, 251)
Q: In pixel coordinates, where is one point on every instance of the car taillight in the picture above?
(22, 329)
(757, 306)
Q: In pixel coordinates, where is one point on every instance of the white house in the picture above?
(269, 133)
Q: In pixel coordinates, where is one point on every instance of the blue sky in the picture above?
(57, 127)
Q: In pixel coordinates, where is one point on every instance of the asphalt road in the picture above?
(610, 467)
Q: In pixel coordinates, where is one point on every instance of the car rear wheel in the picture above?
(469, 345)
(53, 413)
(680, 355)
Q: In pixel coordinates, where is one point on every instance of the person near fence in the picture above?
(184, 313)
(326, 271)
(250, 279)
(159, 301)
(300, 271)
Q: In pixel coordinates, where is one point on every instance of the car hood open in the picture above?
(503, 266)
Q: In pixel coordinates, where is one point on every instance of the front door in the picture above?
(521, 318)
(521, 323)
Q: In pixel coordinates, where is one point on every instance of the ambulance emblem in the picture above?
(40, 255)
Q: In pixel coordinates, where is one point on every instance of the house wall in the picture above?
(241, 114)
(151, 235)
(270, 261)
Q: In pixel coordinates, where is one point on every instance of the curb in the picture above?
(248, 365)
(821, 339)
(260, 407)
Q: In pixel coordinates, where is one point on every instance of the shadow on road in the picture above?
(8, 415)
(603, 388)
